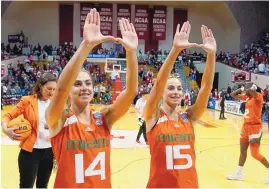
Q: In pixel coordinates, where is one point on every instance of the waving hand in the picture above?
(209, 42)
(91, 33)
(181, 38)
(129, 37)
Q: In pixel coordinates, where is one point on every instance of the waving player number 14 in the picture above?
(79, 166)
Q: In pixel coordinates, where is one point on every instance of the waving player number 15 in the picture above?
(173, 152)
(79, 166)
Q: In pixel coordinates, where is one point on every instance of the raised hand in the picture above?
(209, 42)
(91, 33)
(129, 37)
(181, 38)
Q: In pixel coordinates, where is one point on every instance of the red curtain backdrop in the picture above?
(66, 24)
(149, 42)
(180, 16)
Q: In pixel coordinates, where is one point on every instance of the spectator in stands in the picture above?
(187, 98)
(266, 94)
(4, 89)
(215, 94)
(102, 90)
(229, 89)
(17, 89)
(267, 69)
(96, 94)
(193, 97)
(229, 97)
(255, 55)
(107, 97)
(36, 156)
(261, 68)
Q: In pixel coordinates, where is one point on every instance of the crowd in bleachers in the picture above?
(21, 79)
(254, 58)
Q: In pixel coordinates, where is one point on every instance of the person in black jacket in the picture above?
(222, 104)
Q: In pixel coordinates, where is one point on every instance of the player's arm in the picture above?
(55, 113)
(130, 42)
(210, 46)
(237, 94)
(151, 110)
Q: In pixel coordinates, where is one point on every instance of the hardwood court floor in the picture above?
(217, 145)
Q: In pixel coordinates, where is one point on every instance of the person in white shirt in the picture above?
(140, 104)
(261, 68)
(96, 91)
(102, 90)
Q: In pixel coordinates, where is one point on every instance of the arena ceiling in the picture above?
(172, 3)
(218, 9)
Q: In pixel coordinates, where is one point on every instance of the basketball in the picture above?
(24, 127)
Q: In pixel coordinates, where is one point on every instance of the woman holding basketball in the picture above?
(36, 157)
(170, 132)
(80, 136)
(252, 130)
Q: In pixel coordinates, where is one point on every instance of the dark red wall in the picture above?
(66, 21)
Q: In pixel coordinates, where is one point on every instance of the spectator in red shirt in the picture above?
(266, 93)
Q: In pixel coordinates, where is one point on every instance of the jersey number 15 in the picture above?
(173, 152)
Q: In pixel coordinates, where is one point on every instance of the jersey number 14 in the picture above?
(79, 166)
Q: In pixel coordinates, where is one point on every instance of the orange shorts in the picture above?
(251, 133)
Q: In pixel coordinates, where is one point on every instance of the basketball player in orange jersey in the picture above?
(170, 132)
(251, 132)
(80, 137)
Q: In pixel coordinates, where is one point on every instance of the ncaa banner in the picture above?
(106, 15)
(124, 11)
(159, 23)
(85, 8)
(141, 22)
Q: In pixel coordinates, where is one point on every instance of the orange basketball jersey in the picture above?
(172, 153)
(253, 110)
(82, 153)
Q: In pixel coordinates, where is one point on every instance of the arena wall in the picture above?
(40, 23)
(38, 20)
(253, 18)
(225, 76)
